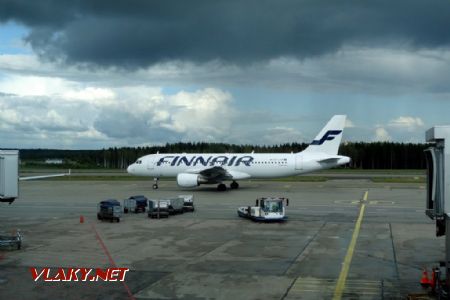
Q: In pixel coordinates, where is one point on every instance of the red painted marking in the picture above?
(130, 295)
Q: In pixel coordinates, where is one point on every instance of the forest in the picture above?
(375, 155)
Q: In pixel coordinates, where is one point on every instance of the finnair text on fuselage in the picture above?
(199, 160)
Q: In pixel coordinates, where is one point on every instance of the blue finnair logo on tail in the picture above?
(328, 136)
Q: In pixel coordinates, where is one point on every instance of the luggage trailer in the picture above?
(109, 210)
(135, 204)
(158, 209)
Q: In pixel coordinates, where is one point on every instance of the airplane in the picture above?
(192, 170)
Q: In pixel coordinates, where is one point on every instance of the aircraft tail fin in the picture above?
(329, 138)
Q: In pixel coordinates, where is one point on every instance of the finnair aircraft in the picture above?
(191, 170)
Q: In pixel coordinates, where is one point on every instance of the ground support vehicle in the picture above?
(176, 205)
(135, 204)
(109, 210)
(188, 202)
(158, 209)
(11, 241)
(267, 209)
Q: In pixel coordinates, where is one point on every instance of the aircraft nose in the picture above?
(130, 169)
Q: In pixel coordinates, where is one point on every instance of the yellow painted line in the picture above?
(351, 248)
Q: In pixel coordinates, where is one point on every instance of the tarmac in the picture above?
(347, 239)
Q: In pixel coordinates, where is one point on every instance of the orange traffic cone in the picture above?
(425, 281)
(434, 278)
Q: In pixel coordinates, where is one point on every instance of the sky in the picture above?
(95, 74)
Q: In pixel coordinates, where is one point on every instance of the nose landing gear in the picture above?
(155, 185)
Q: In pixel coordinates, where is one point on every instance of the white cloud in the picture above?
(280, 135)
(9, 116)
(381, 135)
(33, 85)
(19, 62)
(206, 113)
(406, 123)
(133, 115)
(90, 94)
(349, 123)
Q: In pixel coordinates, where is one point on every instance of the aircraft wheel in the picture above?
(234, 185)
(155, 186)
(221, 187)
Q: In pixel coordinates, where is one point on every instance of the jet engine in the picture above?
(188, 180)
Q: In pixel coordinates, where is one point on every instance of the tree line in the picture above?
(377, 155)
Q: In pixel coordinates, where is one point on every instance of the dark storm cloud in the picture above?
(141, 33)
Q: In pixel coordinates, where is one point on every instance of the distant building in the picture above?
(54, 161)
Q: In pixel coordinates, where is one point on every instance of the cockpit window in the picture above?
(138, 162)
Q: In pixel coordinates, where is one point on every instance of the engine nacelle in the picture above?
(188, 180)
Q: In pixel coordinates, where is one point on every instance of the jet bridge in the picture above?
(438, 185)
(9, 175)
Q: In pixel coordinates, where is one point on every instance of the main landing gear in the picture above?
(222, 187)
(155, 185)
(234, 185)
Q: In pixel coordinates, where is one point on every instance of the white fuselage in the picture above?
(245, 165)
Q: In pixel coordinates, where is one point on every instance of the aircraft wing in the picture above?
(44, 176)
(216, 172)
(219, 173)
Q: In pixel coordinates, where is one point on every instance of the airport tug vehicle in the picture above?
(188, 202)
(267, 209)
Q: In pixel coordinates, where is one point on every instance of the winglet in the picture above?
(329, 138)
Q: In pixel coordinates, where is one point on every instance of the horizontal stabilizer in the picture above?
(337, 160)
(329, 160)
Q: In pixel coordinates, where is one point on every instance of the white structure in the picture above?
(54, 161)
(438, 184)
(9, 175)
